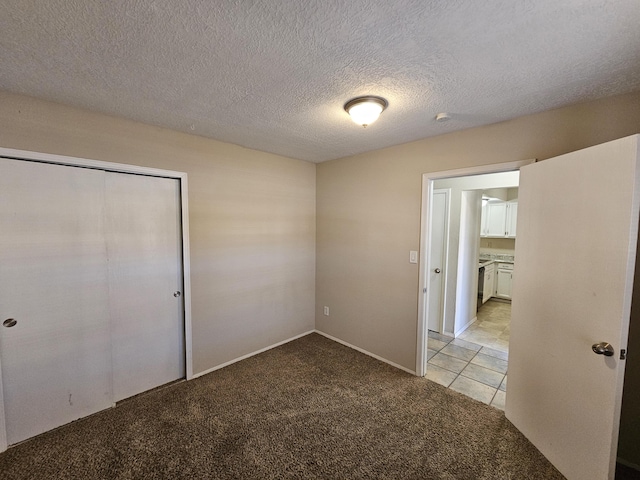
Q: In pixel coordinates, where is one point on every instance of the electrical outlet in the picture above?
(326, 311)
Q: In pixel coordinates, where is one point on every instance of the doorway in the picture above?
(459, 279)
(470, 354)
(573, 314)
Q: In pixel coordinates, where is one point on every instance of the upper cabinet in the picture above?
(499, 219)
(512, 218)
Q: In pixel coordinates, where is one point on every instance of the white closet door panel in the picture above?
(145, 269)
(56, 361)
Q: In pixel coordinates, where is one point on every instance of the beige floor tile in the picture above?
(492, 363)
(494, 324)
(483, 375)
(499, 400)
(439, 336)
(468, 345)
(471, 388)
(503, 385)
(440, 375)
(479, 337)
(430, 353)
(435, 344)
(495, 353)
(459, 352)
(448, 362)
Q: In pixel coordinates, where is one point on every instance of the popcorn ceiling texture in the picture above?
(274, 75)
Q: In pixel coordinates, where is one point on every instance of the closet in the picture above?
(91, 285)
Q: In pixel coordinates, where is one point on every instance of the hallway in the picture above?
(474, 364)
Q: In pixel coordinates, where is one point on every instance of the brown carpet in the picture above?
(309, 409)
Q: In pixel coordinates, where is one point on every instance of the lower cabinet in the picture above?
(504, 279)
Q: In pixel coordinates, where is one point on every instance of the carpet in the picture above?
(311, 408)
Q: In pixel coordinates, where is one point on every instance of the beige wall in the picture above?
(368, 215)
(251, 214)
(505, 246)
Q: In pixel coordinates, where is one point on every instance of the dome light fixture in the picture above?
(365, 110)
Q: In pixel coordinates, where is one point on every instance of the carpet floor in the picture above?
(311, 408)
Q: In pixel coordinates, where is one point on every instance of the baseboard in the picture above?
(622, 461)
(377, 357)
(455, 334)
(226, 364)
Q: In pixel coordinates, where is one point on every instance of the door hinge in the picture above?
(623, 354)
(424, 290)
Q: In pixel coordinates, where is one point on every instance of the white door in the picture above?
(437, 258)
(53, 282)
(576, 253)
(145, 280)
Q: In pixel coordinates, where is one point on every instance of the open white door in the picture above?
(575, 260)
(438, 258)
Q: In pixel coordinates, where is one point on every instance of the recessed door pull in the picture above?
(176, 294)
(9, 322)
(603, 348)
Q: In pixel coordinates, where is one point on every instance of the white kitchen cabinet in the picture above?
(496, 218)
(504, 278)
(483, 219)
(499, 219)
(511, 218)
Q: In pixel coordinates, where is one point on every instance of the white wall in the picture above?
(468, 249)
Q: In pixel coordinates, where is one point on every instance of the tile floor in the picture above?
(492, 327)
(475, 363)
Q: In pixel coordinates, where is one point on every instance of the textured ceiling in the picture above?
(273, 75)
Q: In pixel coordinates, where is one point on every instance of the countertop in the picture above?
(486, 260)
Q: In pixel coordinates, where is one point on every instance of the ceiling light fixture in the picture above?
(365, 110)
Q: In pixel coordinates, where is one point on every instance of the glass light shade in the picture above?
(365, 110)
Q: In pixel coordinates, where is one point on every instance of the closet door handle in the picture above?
(177, 293)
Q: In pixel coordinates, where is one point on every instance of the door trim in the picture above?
(186, 259)
(425, 222)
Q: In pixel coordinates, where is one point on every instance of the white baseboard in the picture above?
(464, 327)
(622, 461)
(377, 357)
(226, 364)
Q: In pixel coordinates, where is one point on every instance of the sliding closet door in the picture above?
(55, 347)
(145, 282)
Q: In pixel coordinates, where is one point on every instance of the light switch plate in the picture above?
(413, 256)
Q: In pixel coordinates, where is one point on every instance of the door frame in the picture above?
(425, 243)
(184, 212)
